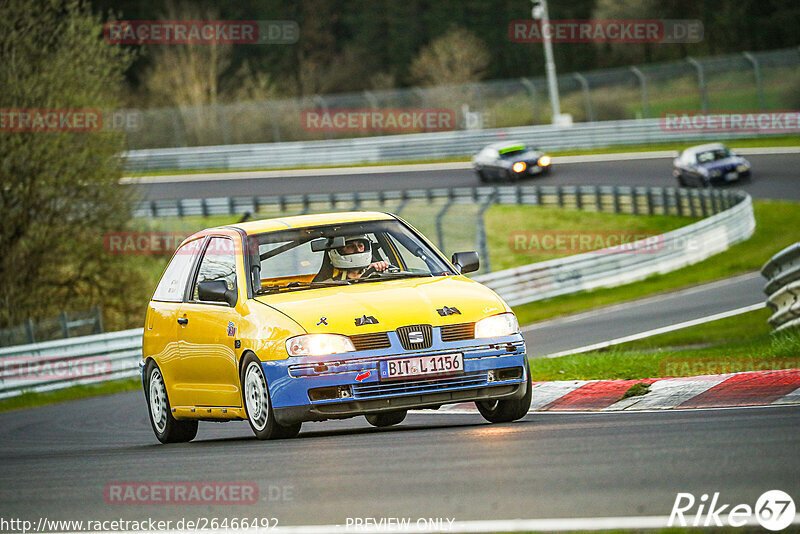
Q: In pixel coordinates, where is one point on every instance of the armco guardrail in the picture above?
(782, 272)
(68, 362)
(458, 143)
(63, 363)
(612, 267)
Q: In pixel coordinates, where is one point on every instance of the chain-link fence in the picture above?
(67, 324)
(746, 81)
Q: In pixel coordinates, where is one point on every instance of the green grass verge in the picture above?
(516, 234)
(771, 235)
(756, 142)
(29, 400)
(741, 343)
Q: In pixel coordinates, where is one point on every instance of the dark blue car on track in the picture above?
(707, 165)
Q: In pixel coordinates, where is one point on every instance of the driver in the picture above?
(353, 259)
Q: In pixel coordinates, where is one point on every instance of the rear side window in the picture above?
(173, 281)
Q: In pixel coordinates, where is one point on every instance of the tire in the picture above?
(257, 403)
(387, 418)
(166, 428)
(505, 411)
(482, 177)
(681, 180)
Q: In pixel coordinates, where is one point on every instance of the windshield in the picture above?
(713, 155)
(373, 251)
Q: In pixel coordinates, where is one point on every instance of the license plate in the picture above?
(442, 364)
(731, 176)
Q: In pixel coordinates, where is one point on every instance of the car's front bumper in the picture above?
(492, 371)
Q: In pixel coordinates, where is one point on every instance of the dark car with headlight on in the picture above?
(707, 165)
(509, 161)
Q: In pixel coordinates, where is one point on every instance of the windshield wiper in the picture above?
(385, 275)
(300, 285)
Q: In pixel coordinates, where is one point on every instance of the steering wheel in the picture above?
(373, 271)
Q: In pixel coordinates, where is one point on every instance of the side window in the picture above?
(173, 281)
(219, 263)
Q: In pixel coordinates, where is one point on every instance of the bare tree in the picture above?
(456, 57)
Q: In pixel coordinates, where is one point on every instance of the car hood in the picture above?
(392, 303)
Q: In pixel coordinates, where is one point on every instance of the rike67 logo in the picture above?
(774, 510)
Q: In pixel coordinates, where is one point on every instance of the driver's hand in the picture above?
(380, 265)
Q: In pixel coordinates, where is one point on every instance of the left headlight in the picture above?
(318, 345)
(742, 167)
(504, 324)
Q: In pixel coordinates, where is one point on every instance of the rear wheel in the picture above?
(482, 176)
(386, 419)
(505, 411)
(258, 406)
(166, 428)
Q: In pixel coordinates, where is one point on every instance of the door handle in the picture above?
(183, 320)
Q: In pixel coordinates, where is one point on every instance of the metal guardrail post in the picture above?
(440, 218)
(701, 82)
(531, 89)
(481, 239)
(98, 315)
(598, 199)
(403, 201)
(757, 74)
(643, 85)
(30, 330)
(64, 320)
(587, 98)
(615, 193)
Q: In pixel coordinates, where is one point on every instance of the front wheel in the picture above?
(505, 411)
(166, 428)
(258, 406)
(387, 418)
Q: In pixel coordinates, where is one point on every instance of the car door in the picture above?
(160, 340)
(207, 332)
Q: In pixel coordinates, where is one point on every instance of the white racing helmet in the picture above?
(357, 260)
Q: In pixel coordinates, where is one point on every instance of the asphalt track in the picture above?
(633, 317)
(57, 460)
(774, 176)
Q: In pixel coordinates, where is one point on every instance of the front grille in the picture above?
(374, 341)
(421, 332)
(410, 387)
(458, 332)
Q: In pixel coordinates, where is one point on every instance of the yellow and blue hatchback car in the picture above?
(327, 316)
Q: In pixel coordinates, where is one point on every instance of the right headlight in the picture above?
(504, 324)
(318, 345)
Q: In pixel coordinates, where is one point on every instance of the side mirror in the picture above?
(216, 291)
(466, 262)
